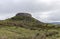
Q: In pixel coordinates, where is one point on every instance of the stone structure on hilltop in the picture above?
(24, 14)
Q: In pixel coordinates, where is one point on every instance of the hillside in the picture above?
(24, 26)
(23, 20)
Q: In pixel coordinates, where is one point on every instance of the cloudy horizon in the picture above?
(43, 10)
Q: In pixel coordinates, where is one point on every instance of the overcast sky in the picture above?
(43, 10)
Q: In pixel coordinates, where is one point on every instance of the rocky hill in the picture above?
(24, 14)
(24, 26)
(23, 20)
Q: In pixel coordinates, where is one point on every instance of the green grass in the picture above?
(15, 33)
(21, 27)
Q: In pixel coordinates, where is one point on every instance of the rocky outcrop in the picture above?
(24, 14)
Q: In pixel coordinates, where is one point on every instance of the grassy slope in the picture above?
(24, 28)
(11, 32)
(19, 28)
(16, 33)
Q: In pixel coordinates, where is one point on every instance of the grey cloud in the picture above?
(55, 16)
(30, 6)
(10, 7)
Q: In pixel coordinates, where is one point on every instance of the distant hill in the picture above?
(55, 23)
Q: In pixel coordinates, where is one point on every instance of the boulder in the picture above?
(24, 14)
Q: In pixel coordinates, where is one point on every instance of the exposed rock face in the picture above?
(24, 14)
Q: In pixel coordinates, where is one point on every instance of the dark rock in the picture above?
(24, 14)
